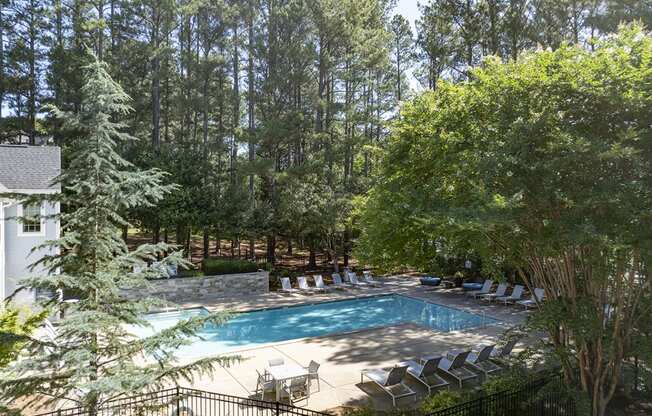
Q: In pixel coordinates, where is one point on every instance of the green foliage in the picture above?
(190, 273)
(16, 326)
(468, 161)
(216, 266)
(362, 411)
(443, 399)
(512, 378)
(540, 164)
(371, 411)
(94, 356)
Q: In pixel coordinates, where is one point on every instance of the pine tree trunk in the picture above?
(271, 249)
(251, 115)
(156, 235)
(312, 259)
(179, 235)
(31, 97)
(156, 78)
(236, 102)
(206, 242)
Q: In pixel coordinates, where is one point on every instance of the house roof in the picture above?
(29, 168)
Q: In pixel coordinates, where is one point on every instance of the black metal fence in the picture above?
(533, 399)
(187, 402)
(540, 397)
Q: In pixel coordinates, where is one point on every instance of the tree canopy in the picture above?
(542, 164)
(239, 99)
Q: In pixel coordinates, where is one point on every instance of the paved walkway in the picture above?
(343, 356)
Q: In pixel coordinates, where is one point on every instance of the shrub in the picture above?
(213, 266)
(190, 273)
(363, 411)
(370, 411)
(441, 400)
(15, 326)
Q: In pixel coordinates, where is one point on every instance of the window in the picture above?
(31, 222)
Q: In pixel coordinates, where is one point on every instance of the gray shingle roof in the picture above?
(29, 167)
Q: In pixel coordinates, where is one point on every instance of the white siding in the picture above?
(18, 254)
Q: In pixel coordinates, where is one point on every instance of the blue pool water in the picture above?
(250, 329)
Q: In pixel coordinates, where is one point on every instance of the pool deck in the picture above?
(344, 356)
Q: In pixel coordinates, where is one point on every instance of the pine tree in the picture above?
(94, 356)
(402, 56)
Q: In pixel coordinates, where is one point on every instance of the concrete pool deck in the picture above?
(343, 356)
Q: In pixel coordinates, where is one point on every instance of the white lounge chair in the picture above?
(426, 373)
(391, 381)
(486, 287)
(481, 360)
(455, 367)
(353, 279)
(286, 286)
(500, 292)
(369, 279)
(304, 286)
(538, 294)
(320, 285)
(337, 281)
(516, 295)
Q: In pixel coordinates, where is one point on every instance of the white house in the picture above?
(25, 170)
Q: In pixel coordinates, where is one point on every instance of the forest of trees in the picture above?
(270, 115)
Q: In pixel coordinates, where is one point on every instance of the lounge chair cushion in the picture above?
(430, 281)
(399, 390)
(461, 372)
(432, 380)
(488, 366)
(471, 286)
(379, 376)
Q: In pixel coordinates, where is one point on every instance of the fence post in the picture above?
(178, 413)
(278, 408)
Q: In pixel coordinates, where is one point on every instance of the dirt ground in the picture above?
(297, 261)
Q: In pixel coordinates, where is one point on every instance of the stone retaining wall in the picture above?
(198, 287)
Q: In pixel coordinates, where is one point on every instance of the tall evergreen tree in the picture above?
(95, 357)
(402, 55)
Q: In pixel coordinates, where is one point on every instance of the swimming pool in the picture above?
(251, 329)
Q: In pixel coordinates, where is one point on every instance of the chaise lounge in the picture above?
(486, 288)
(286, 286)
(455, 367)
(391, 381)
(368, 279)
(481, 360)
(516, 295)
(500, 292)
(425, 373)
(537, 296)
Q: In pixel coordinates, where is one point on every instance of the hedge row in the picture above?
(212, 266)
